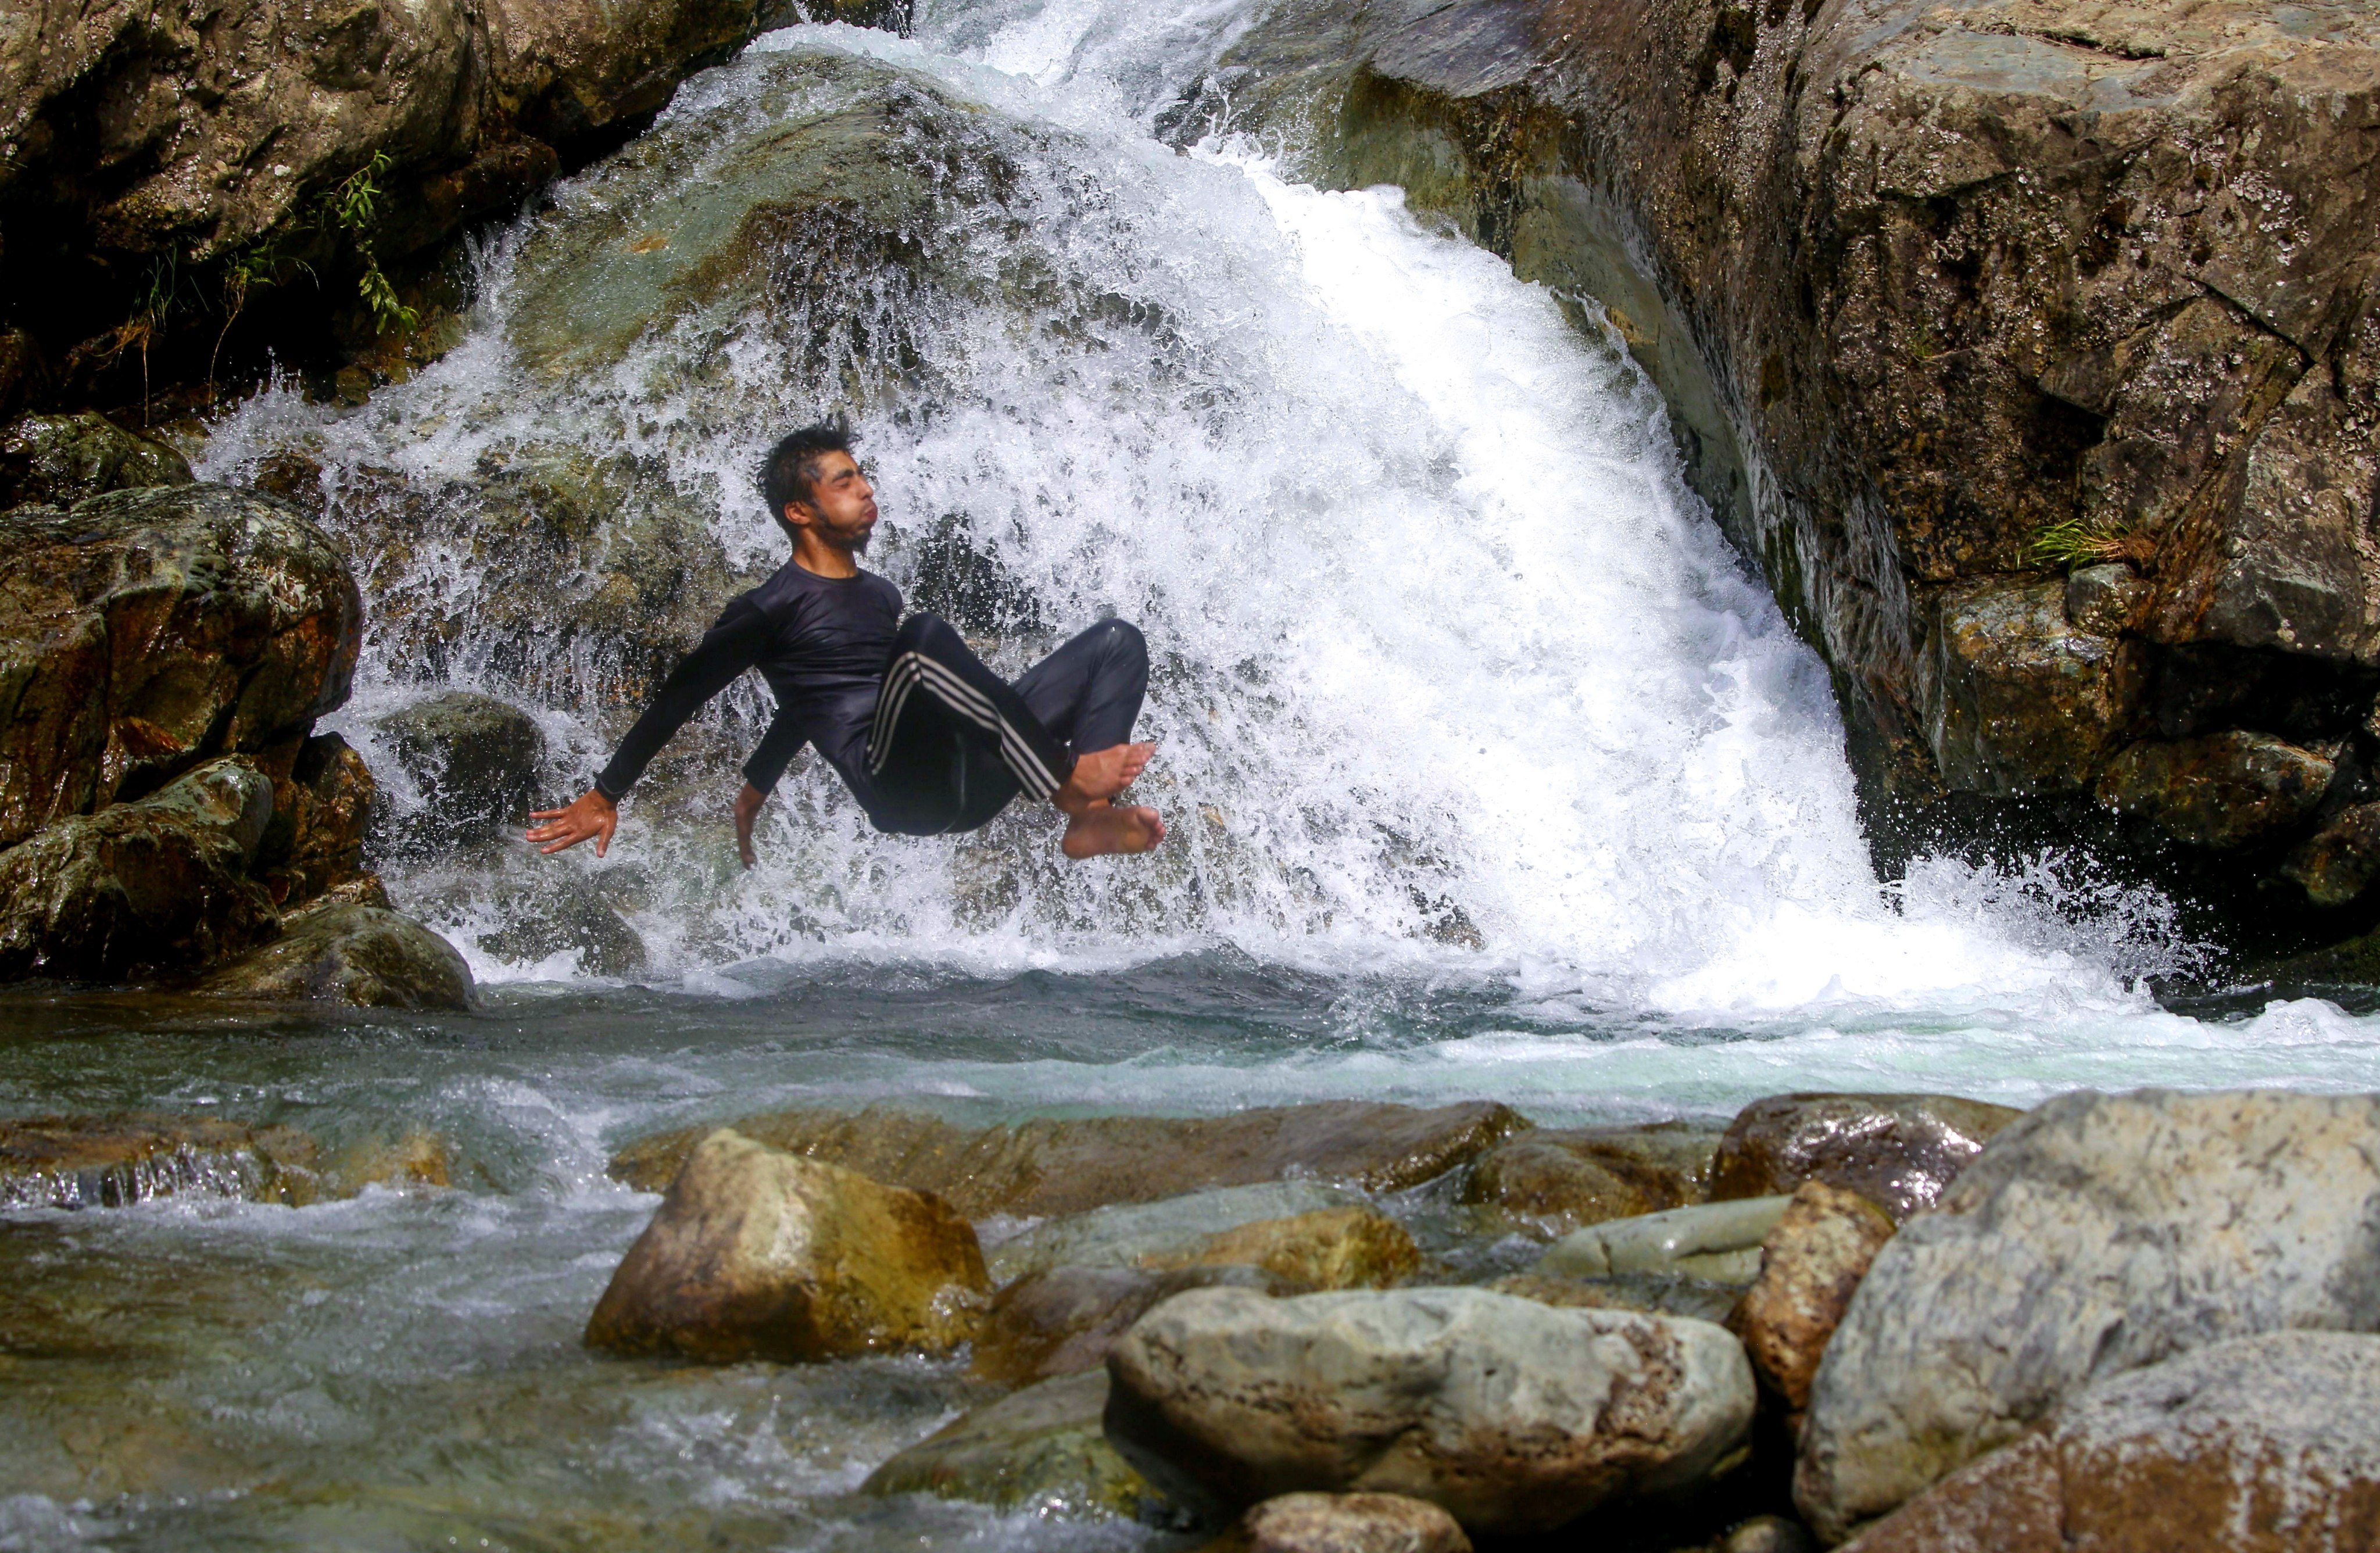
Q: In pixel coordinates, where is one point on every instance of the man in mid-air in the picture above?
(927, 738)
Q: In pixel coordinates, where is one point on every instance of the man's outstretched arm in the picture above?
(732, 645)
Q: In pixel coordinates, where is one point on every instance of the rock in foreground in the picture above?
(1040, 1451)
(2259, 1445)
(1063, 1320)
(755, 1253)
(347, 954)
(1049, 1166)
(1898, 1152)
(1512, 1415)
(2098, 1234)
(1811, 1264)
(1345, 1524)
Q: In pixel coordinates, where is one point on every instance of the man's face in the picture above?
(842, 505)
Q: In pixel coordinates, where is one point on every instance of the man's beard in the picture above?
(860, 546)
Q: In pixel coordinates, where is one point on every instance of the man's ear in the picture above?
(797, 515)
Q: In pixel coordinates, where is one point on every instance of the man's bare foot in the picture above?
(1102, 774)
(1102, 829)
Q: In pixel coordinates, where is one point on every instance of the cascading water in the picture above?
(1490, 774)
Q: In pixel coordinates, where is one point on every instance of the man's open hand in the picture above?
(748, 808)
(591, 814)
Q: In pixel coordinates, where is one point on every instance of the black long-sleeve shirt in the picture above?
(822, 644)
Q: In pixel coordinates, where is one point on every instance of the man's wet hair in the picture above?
(791, 470)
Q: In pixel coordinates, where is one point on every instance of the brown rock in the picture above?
(1345, 1524)
(1898, 1152)
(1549, 1183)
(338, 953)
(2221, 791)
(57, 460)
(1062, 1320)
(321, 815)
(148, 630)
(757, 1254)
(1811, 1264)
(1351, 1247)
(2259, 1445)
(1058, 1167)
(1040, 1452)
(2019, 701)
(2337, 861)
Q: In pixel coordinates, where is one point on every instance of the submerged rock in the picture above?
(347, 953)
(1718, 1241)
(1063, 1320)
(1898, 1151)
(755, 1253)
(548, 923)
(1344, 1523)
(2096, 1234)
(57, 460)
(2265, 1442)
(2222, 791)
(148, 630)
(1547, 1182)
(1811, 1264)
(1039, 1451)
(108, 1161)
(142, 889)
(1050, 1166)
(478, 763)
(1511, 1415)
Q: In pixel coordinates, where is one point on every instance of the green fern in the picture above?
(353, 207)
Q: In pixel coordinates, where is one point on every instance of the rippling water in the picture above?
(1492, 774)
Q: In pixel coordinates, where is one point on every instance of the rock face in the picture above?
(322, 817)
(1347, 1524)
(145, 631)
(1946, 300)
(56, 460)
(1719, 1242)
(1511, 1415)
(1059, 1166)
(1039, 1451)
(349, 954)
(2219, 791)
(755, 1253)
(2263, 1444)
(1811, 1264)
(1900, 1151)
(477, 762)
(1549, 1183)
(2097, 1235)
(142, 889)
(1063, 1320)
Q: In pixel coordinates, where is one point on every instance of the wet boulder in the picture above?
(1654, 1293)
(477, 763)
(1323, 1236)
(2267, 1443)
(2105, 600)
(1898, 1151)
(56, 460)
(142, 889)
(322, 817)
(1063, 1320)
(2337, 861)
(1511, 1415)
(1051, 1166)
(1041, 1451)
(1716, 1241)
(145, 631)
(1549, 1182)
(2096, 1234)
(566, 917)
(757, 1254)
(1811, 1264)
(2020, 700)
(2221, 791)
(1344, 1523)
(352, 954)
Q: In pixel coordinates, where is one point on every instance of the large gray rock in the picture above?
(1039, 1451)
(145, 631)
(2267, 1444)
(143, 890)
(1512, 1415)
(2098, 1235)
(349, 954)
(1898, 1151)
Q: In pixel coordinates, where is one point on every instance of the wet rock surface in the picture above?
(2262, 1442)
(2337, 862)
(1040, 1451)
(1063, 1320)
(1047, 1166)
(1548, 1182)
(145, 631)
(1344, 1523)
(57, 460)
(346, 953)
(757, 1254)
(2219, 791)
(1717, 1242)
(1511, 1415)
(477, 764)
(2097, 1235)
(1654, 1293)
(1898, 1151)
(2017, 699)
(322, 820)
(1811, 1264)
(1304, 1220)
(109, 1161)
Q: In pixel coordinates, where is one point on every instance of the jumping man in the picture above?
(927, 738)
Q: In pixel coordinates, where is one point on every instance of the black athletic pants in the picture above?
(952, 742)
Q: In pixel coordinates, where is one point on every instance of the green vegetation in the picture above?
(2079, 543)
(354, 208)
